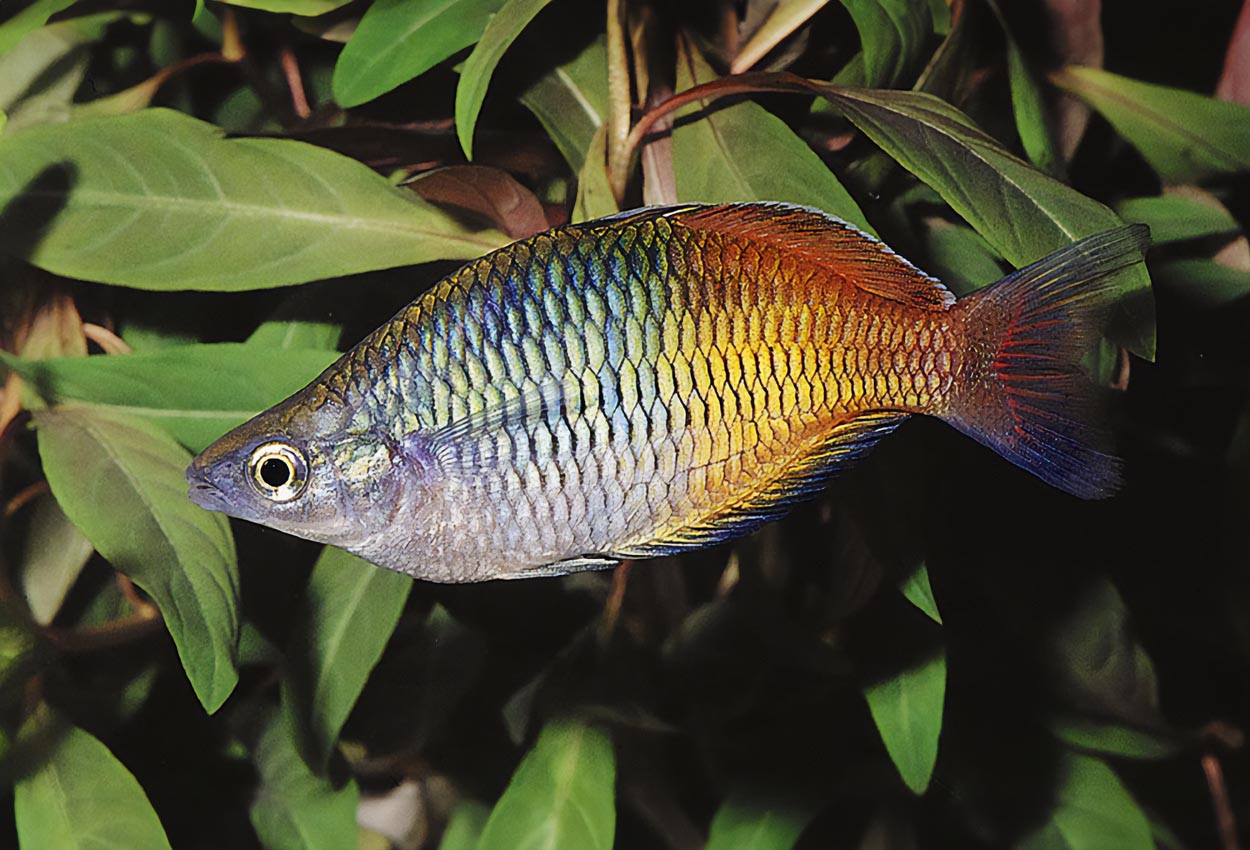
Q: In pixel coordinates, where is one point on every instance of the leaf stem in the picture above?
(110, 342)
(619, 99)
(1224, 818)
(294, 82)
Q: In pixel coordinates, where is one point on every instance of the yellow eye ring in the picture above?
(279, 471)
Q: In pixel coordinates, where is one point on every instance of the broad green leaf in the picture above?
(1185, 136)
(594, 193)
(918, 592)
(349, 610)
(464, 827)
(504, 28)
(745, 153)
(53, 555)
(571, 100)
(121, 480)
(1023, 213)
(28, 20)
(960, 257)
(908, 712)
(752, 818)
(194, 392)
(1113, 739)
(41, 73)
(562, 796)
(294, 808)
(1093, 811)
(301, 322)
(785, 17)
(306, 8)
(893, 34)
(82, 798)
(1176, 218)
(159, 200)
(398, 40)
(1203, 281)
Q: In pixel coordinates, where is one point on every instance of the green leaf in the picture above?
(571, 100)
(918, 592)
(350, 608)
(594, 192)
(562, 796)
(1023, 213)
(752, 818)
(82, 798)
(194, 392)
(745, 153)
(54, 554)
(960, 257)
(398, 40)
(1202, 281)
(305, 8)
(1186, 137)
(893, 35)
(1093, 811)
(121, 480)
(292, 326)
(159, 200)
(504, 28)
(1114, 739)
(1026, 98)
(1176, 218)
(908, 712)
(464, 827)
(28, 20)
(41, 73)
(294, 808)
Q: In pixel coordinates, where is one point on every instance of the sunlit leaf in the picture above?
(907, 709)
(194, 392)
(41, 73)
(594, 192)
(291, 7)
(398, 40)
(350, 608)
(1176, 218)
(53, 555)
(1022, 212)
(1092, 811)
(465, 826)
(28, 20)
(571, 100)
(562, 796)
(159, 200)
(296, 335)
(752, 818)
(82, 798)
(121, 480)
(508, 23)
(893, 33)
(294, 808)
(918, 592)
(786, 17)
(745, 153)
(1185, 136)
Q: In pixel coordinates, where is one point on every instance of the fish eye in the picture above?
(278, 471)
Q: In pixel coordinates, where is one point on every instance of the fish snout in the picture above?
(202, 492)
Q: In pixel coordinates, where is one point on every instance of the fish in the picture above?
(663, 380)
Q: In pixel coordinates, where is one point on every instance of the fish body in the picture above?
(658, 381)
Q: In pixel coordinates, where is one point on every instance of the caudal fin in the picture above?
(1022, 392)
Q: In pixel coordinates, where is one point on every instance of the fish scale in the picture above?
(662, 380)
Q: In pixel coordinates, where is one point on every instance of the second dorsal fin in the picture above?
(825, 240)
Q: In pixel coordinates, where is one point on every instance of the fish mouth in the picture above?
(204, 494)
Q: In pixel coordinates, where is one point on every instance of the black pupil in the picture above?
(275, 472)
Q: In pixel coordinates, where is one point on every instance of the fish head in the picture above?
(311, 471)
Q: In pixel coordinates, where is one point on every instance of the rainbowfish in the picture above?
(658, 381)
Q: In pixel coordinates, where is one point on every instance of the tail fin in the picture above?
(1021, 391)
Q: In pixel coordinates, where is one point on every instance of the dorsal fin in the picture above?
(824, 240)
